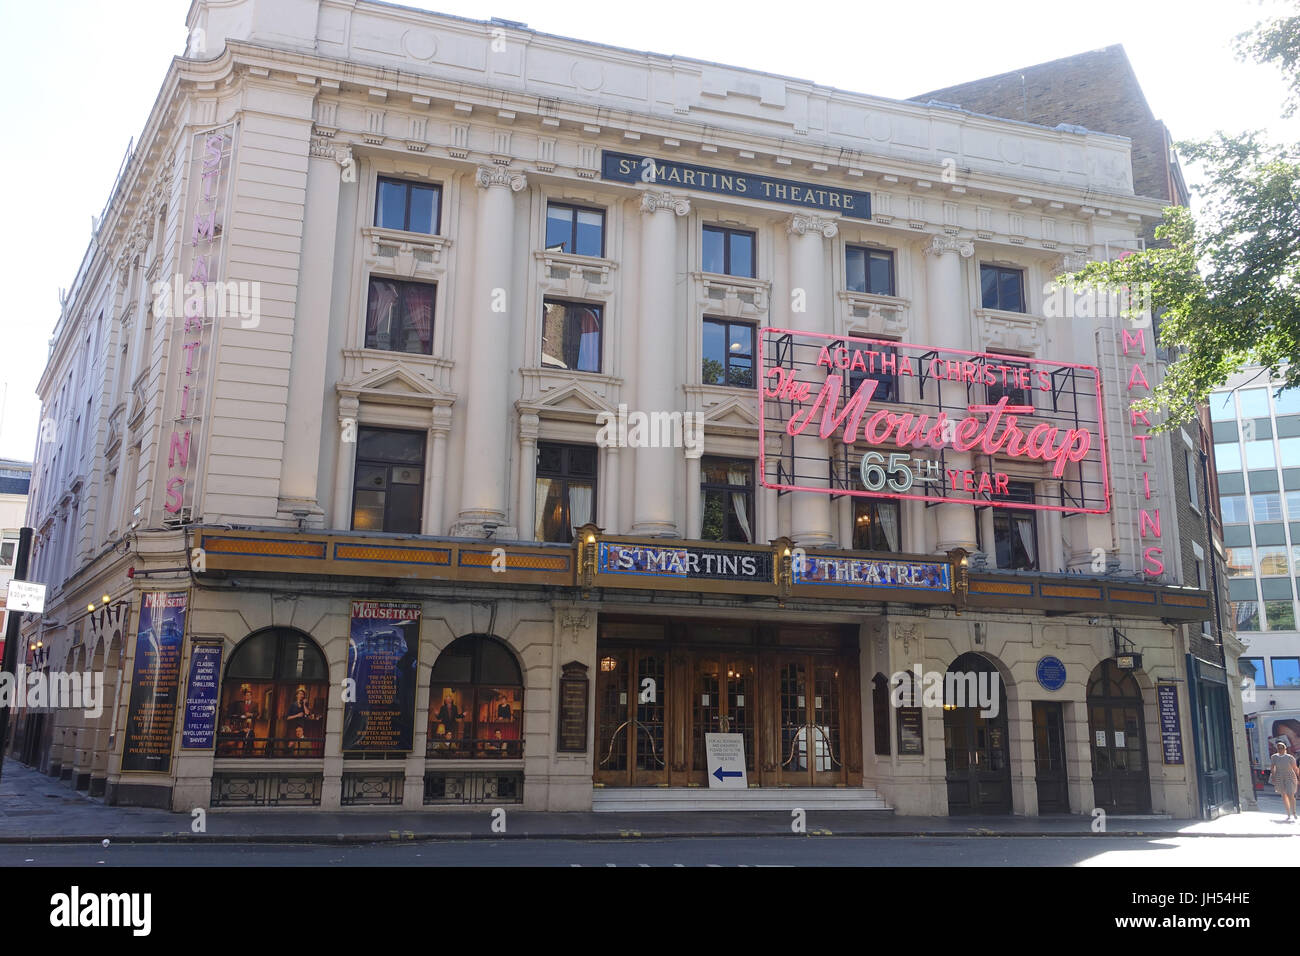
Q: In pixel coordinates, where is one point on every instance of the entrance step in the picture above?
(661, 799)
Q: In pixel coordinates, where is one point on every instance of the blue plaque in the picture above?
(1051, 673)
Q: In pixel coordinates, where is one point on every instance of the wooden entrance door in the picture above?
(1118, 740)
(976, 749)
(724, 700)
(1049, 758)
(808, 696)
(632, 695)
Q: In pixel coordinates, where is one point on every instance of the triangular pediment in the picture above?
(732, 413)
(394, 381)
(574, 398)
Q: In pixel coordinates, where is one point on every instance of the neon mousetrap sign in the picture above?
(871, 418)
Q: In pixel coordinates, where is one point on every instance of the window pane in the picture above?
(582, 460)
(1247, 615)
(740, 351)
(551, 523)
(368, 512)
(1259, 454)
(713, 250)
(404, 498)
(1221, 407)
(1289, 449)
(1239, 562)
(1234, 509)
(1281, 617)
(1254, 402)
(559, 228)
(1287, 402)
(391, 207)
(1267, 507)
(882, 273)
(1293, 505)
(855, 267)
(390, 445)
(300, 659)
(254, 657)
(742, 254)
(571, 336)
(1227, 457)
(989, 287)
(1272, 560)
(715, 353)
(1252, 667)
(424, 209)
(590, 233)
(1009, 293)
(1286, 671)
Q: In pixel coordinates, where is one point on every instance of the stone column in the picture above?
(654, 510)
(694, 505)
(950, 326)
(812, 522)
(527, 517)
(485, 464)
(435, 471)
(609, 496)
(345, 468)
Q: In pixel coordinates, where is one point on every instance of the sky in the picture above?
(82, 76)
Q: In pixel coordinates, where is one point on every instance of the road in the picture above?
(755, 851)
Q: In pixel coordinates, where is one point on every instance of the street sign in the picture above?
(726, 757)
(26, 596)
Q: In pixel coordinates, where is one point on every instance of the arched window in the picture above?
(274, 697)
(880, 713)
(476, 701)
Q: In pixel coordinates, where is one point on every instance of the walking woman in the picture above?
(1284, 777)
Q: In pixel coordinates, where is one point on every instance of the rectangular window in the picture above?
(869, 270)
(1287, 401)
(1015, 533)
(410, 207)
(399, 316)
(1246, 614)
(1272, 560)
(1234, 509)
(1193, 492)
(1013, 382)
(1292, 505)
(1286, 671)
(1254, 402)
(1253, 667)
(728, 353)
(1239, 561)
(1281, 617)
(1259, 454)
(388, 491)
(1002, 288)
(566, 490)
(882, 366)
(1221, 407)
(727, 493)
(7, 550)
(729, 252)
(875, 525)
(1227, 457)
(575, 230)
(1200, 583)
(571, 335)
(1267, 507)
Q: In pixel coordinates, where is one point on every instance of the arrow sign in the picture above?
(726, 761)
(723, 774)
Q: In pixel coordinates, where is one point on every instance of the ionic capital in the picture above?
(654, 201)
(941, 244)
(499, 176)
(801, 225)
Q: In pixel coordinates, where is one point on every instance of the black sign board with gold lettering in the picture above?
(630, 168)
(572, 736)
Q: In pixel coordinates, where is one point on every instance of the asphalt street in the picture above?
(1100, 850)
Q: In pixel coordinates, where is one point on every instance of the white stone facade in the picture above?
(319, 100)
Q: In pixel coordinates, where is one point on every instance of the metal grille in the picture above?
(266, 790)
(473, 786)
(372, 789)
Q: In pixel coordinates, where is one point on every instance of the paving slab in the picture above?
(35, 808)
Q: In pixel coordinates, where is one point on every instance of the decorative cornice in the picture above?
(938, 245)
(488, 177)
(801, 225)
(654, 201)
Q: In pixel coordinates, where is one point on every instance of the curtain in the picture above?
(1025, 529)
(539, 516)
(383, 296)
(887, 515)
(589, 342)
(579, 504)
(740, 476)
(419, 314)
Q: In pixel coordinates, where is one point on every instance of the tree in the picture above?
(1226, 286)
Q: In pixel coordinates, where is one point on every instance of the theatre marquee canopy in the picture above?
(878, 419)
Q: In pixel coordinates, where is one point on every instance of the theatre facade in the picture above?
(455, 414)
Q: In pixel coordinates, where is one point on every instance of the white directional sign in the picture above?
(26, 596)
(726, 755)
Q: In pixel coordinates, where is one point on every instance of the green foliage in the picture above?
(1276, 41)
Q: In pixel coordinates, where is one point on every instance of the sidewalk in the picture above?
(37, 809)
